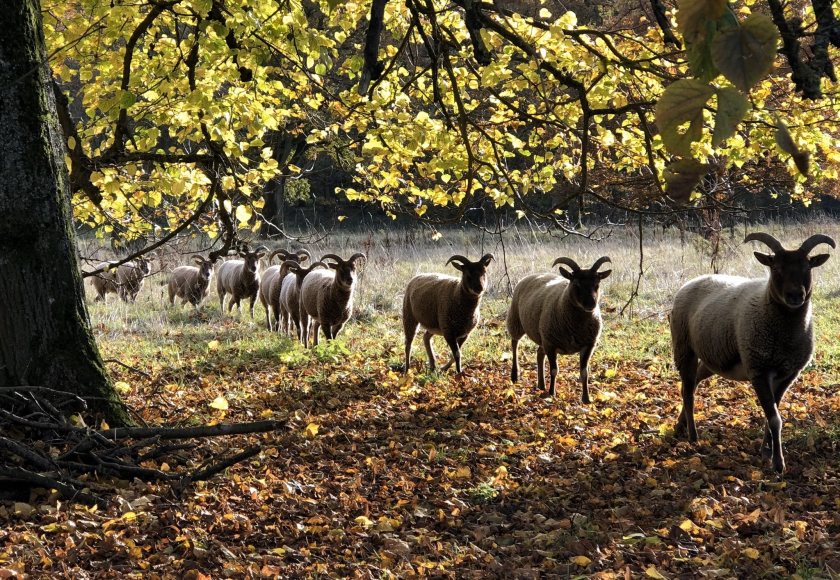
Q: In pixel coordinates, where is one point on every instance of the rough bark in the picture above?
(45, 334)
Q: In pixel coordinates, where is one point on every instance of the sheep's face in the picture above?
(473, 277)
(345, 274)
(585, 287)
(144, 266)
(790, 276)
(251, 260)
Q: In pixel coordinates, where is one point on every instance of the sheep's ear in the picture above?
(604, 274)
(332, 265)
(457, 266)
(818, 260)
(198, 260)
(566, 274)
(260, 255)
(765, 259)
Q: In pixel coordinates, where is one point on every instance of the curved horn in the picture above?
(259, 249)
(200, 257)
(458, 258)
(284, 254)
(302, 253)
(487, 258)
(599, 262)
(767, 240)
(815, 240)
(568, 261)
(356, 256)
(332, 257)
(290, 265)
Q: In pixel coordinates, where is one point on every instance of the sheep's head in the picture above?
(345, 270)
(584, 285)
(790, 270)
(144, 265)
(473, 274)
(205, 266)
(252, 258)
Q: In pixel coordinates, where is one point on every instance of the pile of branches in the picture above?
(44, 445)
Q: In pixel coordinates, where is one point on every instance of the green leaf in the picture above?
(745, 54)
(682, 103)
(732, 105)
(127, 99)
(693, 16)
(682, 177)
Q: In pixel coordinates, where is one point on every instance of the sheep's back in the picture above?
(428, 298)
(534, 299)
(709, 314)
(314, 290)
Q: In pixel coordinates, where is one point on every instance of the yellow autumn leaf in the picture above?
(311, 430)
(213, 345)
(243, 214)
(122, 387)
(461, 473)
(220, 403)
(751, 553)
(652, 572)
(581, 561)
(364, 521)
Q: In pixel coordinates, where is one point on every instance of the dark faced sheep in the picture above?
(757, 330)
(326, 297)
(190, 283)
(289, 300)
(240, 279)
(126, 280)
(274, 284)
(560, 316)
(446, 306)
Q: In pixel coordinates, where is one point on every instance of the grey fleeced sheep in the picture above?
(326, 297)
(757, 330)
(240, 279)
(560, 316)
(444, 305)
(190, 283)
(266, 277)
(272, 282)
(125, 280)
(289, 299)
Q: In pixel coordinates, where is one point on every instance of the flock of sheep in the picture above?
(757, 330)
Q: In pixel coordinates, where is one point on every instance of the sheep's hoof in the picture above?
(779, 465)
(679, 429)
(585, 400)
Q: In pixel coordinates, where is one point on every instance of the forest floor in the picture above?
(383, 475)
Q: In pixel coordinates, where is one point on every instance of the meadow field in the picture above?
(382, 475)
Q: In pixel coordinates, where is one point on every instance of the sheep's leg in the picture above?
(688, 366)
(455, 347)
(328, 335)
(253, 299)
(585, 355)
(314, 327)
(410, 330)
(778, 392)
(460, 341)
(303, 327)
(540, 368)
(222, 295)
(551, 353)
(763, 386)
(514, 368)
(427, 342)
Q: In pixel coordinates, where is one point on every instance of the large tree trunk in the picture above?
(45, 334)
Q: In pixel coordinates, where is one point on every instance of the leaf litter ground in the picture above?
(382, 475)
